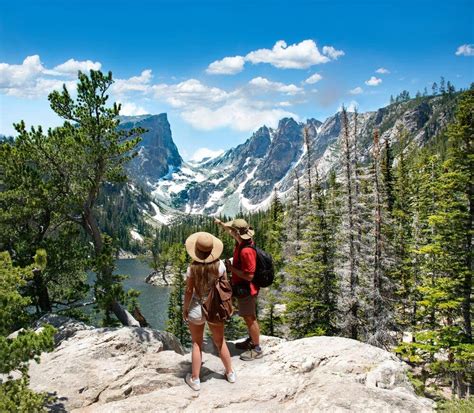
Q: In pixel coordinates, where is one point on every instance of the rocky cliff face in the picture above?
(157, 153)
(142, 370)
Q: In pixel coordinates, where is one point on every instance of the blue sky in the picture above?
(284, 58)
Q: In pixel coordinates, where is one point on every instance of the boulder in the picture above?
(66, 327)
(142, 370)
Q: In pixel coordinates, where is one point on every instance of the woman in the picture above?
(205, 250)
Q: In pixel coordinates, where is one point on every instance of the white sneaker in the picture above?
(194, 384)
(231, 377)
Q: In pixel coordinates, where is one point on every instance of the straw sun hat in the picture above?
(242, 227)
(204, 247)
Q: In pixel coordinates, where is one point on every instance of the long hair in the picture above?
(204, 274)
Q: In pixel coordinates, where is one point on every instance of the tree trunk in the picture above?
(91, 226)
(123, 315)
(42, 294)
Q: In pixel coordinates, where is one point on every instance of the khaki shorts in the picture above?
(248, 305)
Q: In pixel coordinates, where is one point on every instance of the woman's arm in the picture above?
(188, 293)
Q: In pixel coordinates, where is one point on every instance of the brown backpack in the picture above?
(218, 305)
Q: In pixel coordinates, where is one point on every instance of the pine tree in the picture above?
(442, 86)
(311, 284)
(271, 316)
(17, 352)
(308, 147)
(404, 269)
(83, 154)
(351, 281)
(381, 316)
(387, 175)
(176, 324)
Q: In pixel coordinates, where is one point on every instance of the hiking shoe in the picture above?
(194, 384)
(231, 377)
(244, 345)
(251, 354)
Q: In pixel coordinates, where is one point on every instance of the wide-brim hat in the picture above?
(204, 247)
(242, 227)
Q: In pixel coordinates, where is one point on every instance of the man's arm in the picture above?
(229, 230)
(247, 276)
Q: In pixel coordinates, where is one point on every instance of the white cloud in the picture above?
(332, 52)
(265, 84)
(226, 66)
(353, 105)
(71, 67)
(356, 91)
(190, 92)
(203, 153)
(313, 79)
(465, 50)
(373, 81)
(240, 115)
(18, 75)
(285, 104)
(133, 84)
(131, 109)
(296, 56)
(382, 71)
(31, 79)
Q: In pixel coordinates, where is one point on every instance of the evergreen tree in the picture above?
(31, 201)
(307, 144)
(17, 352)
(404, 270)
(442, 86)
(176, 324)
(387, 175)
(82, 155)
(434, 88)
(450, 88)
(381, 317)
(271, 316)
(349, 269)
(311, 284)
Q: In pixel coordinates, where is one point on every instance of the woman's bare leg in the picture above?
(217, 331)
(197, 333)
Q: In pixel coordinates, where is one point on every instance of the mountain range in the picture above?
(245, 177)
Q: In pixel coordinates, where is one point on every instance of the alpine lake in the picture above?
(153, 299)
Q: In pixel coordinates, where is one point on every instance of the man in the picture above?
(243, 268)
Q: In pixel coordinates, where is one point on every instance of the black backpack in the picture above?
(265, 273)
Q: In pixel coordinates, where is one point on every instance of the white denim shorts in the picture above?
(195, 315)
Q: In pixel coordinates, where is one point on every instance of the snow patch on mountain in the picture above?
(136, 235)
(160, 216)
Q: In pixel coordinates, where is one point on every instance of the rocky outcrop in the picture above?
(158, 279)
(157, 152)
(142, 370)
